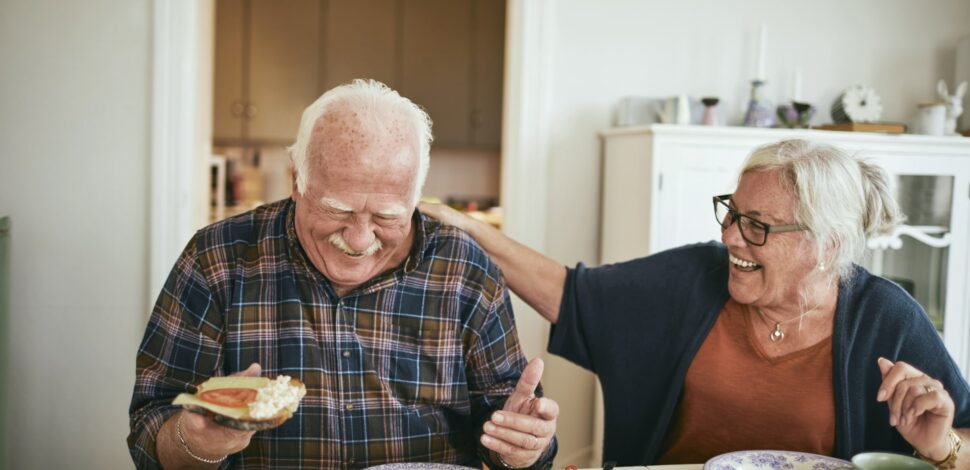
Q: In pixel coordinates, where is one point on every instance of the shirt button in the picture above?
(345, 354)
(349, 407)
(351, 461)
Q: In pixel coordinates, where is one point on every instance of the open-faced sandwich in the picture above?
(247, 403)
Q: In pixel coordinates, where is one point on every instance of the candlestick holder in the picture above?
(796, 115)
(759, 111)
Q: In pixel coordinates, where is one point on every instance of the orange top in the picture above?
(737, 398)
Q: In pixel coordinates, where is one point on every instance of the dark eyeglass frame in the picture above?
(750, 221)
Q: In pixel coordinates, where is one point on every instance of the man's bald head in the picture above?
(362, 114)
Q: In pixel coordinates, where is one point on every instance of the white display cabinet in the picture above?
(658, 182)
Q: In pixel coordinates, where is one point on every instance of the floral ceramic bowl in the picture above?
(774, 459)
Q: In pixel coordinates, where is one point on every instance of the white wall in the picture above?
(74, 120)
(606, 50)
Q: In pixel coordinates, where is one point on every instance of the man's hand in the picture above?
(920, 409)
(526, 425)
(203, 436)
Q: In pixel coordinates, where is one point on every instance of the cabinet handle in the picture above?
(236, 109)
(251, 110)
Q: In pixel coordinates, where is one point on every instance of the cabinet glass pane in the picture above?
(917, 265)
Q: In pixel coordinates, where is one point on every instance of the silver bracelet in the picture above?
(502, 462)
(185, 447)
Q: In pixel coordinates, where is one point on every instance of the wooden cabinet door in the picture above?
(436, 68)
(284, 66)
(228, 95)
(488, 76)
(361, 42)
(273, 58)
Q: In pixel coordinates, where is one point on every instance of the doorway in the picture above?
(273, 58)
(182, 141)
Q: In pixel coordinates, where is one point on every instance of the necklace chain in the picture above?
(776, 334)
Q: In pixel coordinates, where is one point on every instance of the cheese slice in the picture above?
(217, 383)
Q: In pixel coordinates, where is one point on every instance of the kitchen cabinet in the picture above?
(266, 68)
(436, 46)
(452, 59)
(284, 66)
(488, 65)
(657, 184)
(274, 58)
(228, 99)
(360, 38)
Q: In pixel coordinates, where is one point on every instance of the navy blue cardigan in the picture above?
(638, 325)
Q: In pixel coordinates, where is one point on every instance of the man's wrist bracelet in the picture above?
(185, 447)
(540, 463)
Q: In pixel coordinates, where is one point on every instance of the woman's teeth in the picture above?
(749, 265)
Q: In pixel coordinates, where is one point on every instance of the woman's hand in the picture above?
(919, 407)
(446, 215)
(536, 278)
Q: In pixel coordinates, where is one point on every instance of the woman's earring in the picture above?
(821, 265)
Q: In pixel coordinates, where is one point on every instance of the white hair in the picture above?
(842, 199)
(375, 102)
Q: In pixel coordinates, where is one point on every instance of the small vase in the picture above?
(759, 112)
(710, 111)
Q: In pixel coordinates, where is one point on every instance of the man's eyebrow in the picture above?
(395, 211)
(335, 204)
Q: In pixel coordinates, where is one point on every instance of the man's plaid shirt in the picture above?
(404, 368)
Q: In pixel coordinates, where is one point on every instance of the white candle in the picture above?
(760, 75)
(797, 92)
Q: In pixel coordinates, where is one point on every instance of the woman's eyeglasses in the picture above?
(752, 230)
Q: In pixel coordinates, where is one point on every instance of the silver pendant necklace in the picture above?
(776, 334)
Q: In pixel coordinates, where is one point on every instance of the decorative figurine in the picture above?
(858, 103)
(954, 105)
(796, 114)
(759, 111)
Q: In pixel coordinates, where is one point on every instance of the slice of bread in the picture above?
(227, 400)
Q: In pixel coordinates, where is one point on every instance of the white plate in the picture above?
(418, 466)
(774, 459)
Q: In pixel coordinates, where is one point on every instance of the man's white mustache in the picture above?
(337, 240)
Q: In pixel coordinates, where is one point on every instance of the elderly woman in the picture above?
(772, 339)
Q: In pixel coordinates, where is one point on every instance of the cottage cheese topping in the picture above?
(280, 394)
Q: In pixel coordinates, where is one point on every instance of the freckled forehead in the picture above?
(764, 193)
(343, 130)
(371, 151)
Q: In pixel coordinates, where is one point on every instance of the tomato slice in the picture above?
(231, 397)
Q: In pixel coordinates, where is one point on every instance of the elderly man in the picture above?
(400, 328)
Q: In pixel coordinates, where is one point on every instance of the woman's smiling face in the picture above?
(768, 276)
